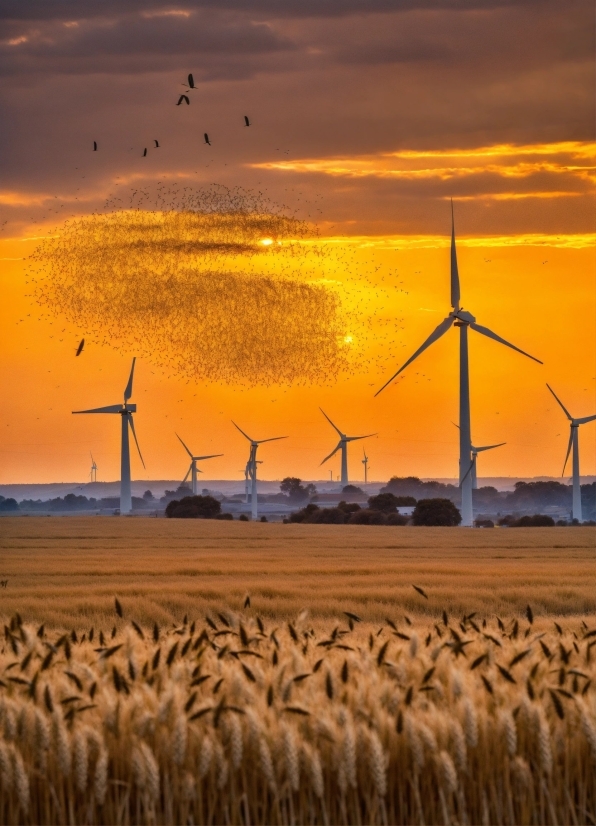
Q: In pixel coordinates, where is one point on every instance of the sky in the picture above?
(367, 117)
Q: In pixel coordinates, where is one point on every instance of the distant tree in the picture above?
(388, 502)
(295, 490)
(538, 495)
(9, 504)
(348, 507)
(226, 516)
(264, 519)
(193, 507)
(368, 516)
(243, 518)
(436, 512)
(484, 523)
(148, 496)
(539, 520)
(301, 515)
(352, 489)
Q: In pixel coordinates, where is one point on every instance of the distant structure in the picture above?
(193, 469)
(251, 466)
(125, 410)
(475, 452)
(463, 319)
(93, 473)
(343, 446)
(576, 510)
(365, 463)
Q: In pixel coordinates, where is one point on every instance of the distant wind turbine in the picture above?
(251, 466)
(463, 319)
(365, 463)
(93, 474)
(475, 451)
(343, 446)
(193, 469)
(574, 443)
(125, 410)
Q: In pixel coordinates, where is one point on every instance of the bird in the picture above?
(95, 146)
(191, 82)
(80, 347)
(420, 591)
(183, 98)
(145, 153)
(206, 136)
(246, 120)
(156, 143)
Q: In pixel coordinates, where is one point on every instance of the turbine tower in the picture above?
(125, 410)
(365, 463)
(93, 474)
(251, 466)
(193, 469)
(343, 444)
(463, 319)
(574, 443)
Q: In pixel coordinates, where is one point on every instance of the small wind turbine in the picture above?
(574, 443)
(475, 452)
(463, 319)
(93, 474)
(193, 469)
(365, 463)
(251, 466)
(343, 445)
(125, 410)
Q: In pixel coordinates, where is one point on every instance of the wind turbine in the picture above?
(463, 319)
(251, 466)
(365, 463)
(93, 474)
(125, 410)
(193, 469)
(343, 444)
(574, 442)
(475, 452)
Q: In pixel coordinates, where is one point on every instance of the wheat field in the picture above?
(138, 684)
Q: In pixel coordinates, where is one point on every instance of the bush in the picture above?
(243, 518)
(328, 516)
(301, 515)
(193, 507)
(484, 523)
(537, 521)
(396, 519)
(435, 512)
(226, 516)
(388, 502)
(264, 519)
(351, 489)
(367, 516)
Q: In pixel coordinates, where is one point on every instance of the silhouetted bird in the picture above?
(145, 153)
(191, 82)
(95, 146)
(183, 98)
(80, 347)
(207, 139)
(156, 143)
(246, 121)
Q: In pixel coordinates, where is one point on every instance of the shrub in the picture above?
(243, 518)
(300, 516)
(328, 516)
(537, 521)
(351, 489)
(484, 523)
(193, 507)
(396, 519)
(264, 519)
(226, 516)
(432, 512)
(367, 516)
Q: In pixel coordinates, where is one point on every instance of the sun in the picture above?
(348, 339)
(266, 242)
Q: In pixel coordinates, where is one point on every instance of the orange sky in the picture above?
(370, 150)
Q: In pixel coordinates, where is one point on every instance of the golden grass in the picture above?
(235, 721)
(65, 571)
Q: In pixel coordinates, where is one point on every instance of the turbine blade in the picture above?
(187, 474)
(568, 449)
(468, 471)
(331, 423)
(488, 447)
(565, 411)
(128, 390)
(585, 419)
(132, 427)
(333, 452)
(111, 408)
(489, 334)
(200, 458)
(455, 295)
(184, 446)
(436, 334)
(274, 439)
(357, 438)
(241, 431)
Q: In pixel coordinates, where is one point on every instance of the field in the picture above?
(175, 704)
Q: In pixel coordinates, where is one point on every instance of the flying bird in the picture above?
(191, 82)
(145, 153)
(420, 591)
(206, 136)
(95, 146)
(246, 121)
(80, 347)
(156, 143)
(183, 98)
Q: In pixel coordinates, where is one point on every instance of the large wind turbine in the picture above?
(463, 319)
(343, 445)
(574, 442)
(125, 410)
(193, 469)
(251, 466)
